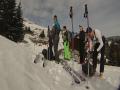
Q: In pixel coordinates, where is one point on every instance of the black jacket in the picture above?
(82, 36)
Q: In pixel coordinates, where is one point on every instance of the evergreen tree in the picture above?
(19, 18)
(19, 23)
(11, 20)
(42, 34)
(2, 21)
(9, 12)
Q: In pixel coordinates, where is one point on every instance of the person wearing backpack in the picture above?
(56, 30)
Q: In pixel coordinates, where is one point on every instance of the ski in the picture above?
(76, 76)
(80, 76)
(69, 70)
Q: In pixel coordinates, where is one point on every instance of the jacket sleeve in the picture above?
(99, 37)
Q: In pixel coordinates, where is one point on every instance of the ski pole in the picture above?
(48, 43)
(88, 54)
(71, 17)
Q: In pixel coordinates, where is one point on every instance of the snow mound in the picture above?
(18, 72)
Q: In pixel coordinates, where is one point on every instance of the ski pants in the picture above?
(67, 53)
(82, 52)
(55, 44)
(95, 54)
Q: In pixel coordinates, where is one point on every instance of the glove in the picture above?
(90, 52)
(96, 51)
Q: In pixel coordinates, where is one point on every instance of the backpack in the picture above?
(48, 54)
(44, 52)
(85, 69)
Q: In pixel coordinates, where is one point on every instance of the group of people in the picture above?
(90, 38)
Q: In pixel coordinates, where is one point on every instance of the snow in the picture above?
(18, 72)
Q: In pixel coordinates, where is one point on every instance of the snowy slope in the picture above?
(34, 27)
(18, 72)
(37, 30)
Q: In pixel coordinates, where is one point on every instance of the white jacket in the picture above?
(98, 36)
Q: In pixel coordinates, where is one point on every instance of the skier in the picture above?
(81, 44)
(99, 47)
(50, 51)
(66, 39)
(56, 30)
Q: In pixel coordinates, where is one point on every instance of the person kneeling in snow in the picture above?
(99, 47)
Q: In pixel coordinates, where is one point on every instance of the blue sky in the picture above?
(103, 14)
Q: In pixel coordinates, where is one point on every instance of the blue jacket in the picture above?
(57, 25)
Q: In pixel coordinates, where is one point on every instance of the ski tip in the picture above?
(77, 82)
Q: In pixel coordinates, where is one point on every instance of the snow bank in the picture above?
(18, 72)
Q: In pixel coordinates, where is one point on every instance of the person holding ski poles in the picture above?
(99, 47)
(56, 30)
(66, 40)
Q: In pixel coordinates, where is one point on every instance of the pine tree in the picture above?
(42, 34)
(9, 12)
(2, 21)
(19, 22)
(19, 18)
(11, 20)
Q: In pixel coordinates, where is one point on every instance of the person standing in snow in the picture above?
(56, 30)
(66, 40)
(81, 44)
(50, 48)
(99, 47)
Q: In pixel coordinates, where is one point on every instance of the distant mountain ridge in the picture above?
(115, 38)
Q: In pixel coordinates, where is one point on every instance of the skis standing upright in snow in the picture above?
(71, 17)
(86, 16)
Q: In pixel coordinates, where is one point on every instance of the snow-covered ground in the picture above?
(18, 72)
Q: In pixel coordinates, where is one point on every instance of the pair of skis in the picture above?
(77, 78)
(85, 16)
